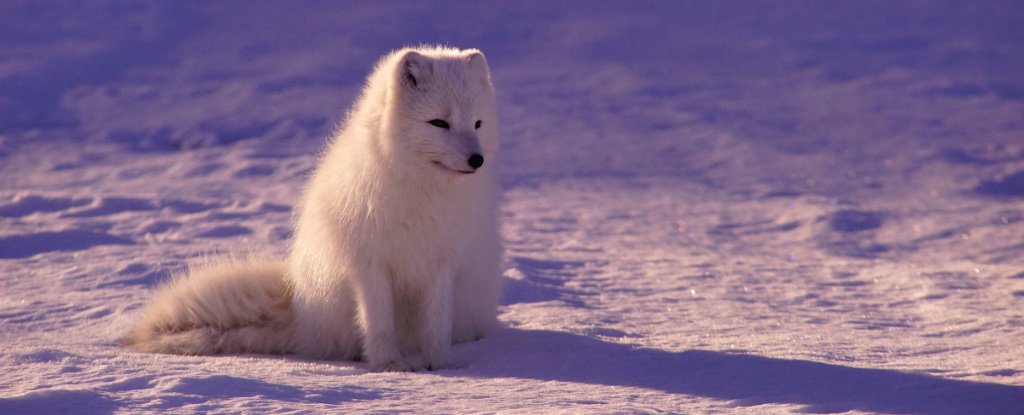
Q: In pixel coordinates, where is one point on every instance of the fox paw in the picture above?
(420, 362)
(394, 365)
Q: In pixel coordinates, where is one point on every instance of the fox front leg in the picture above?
(436, 318)
(376, 306)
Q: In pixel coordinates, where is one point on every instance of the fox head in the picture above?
(443, 110)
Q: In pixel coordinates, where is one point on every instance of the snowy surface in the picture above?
(713, 207)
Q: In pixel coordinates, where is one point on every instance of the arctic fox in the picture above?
(396, 252)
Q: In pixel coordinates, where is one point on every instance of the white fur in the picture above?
(396, 251)
(228, 307)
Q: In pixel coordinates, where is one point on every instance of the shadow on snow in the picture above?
(746, 380)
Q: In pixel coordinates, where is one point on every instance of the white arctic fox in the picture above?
(396, 252)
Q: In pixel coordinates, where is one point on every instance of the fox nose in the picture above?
(475, 161)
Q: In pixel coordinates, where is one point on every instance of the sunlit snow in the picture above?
(709, 207)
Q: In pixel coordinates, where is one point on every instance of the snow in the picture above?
(710, 207)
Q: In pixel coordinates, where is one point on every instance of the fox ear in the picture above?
(478, 67)
(414, 69)
(479, 62)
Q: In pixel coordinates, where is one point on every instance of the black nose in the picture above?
(475, 161)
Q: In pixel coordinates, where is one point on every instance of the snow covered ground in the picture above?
(710, 207)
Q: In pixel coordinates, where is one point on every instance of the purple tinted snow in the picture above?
(27, 245)
(191, 390)
(30, 204)
(709, 93)
(227, 231)
(60, 401)
(855, 220)
(1008, 186)
(746, 380)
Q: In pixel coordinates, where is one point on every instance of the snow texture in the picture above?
(709, 207)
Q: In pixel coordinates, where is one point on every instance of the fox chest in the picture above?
(422, 244)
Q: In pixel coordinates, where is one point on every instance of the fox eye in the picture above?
(477, 125)
(439, 123)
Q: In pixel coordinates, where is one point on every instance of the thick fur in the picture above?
(228, 307)
(396, 252)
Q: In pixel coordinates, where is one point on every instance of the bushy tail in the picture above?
(228, 307)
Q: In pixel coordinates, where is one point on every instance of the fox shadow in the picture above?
(743, 379)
